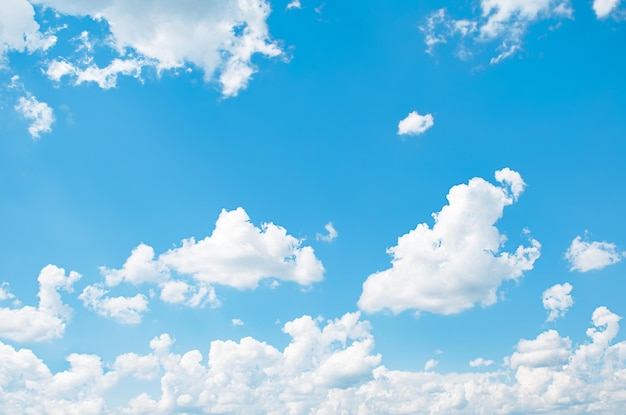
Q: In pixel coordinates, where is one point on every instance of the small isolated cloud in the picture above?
(126, 310)
(603, 8)
(431, 364)
(330, 236)
(457, 263)
(415, 124)
(294, 4)
(557, 300)
(5, 293)
(49, 318)
(237, 322)
(501, 22)
(480, 362)
(39, 113)
(586, 256)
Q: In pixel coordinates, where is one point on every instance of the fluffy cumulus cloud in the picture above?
(19, 31)
(586, 256)
(503, 22)
(38, 113)
(327, 368)
(127, 310)
(49, 318)
(557, 300)
(218, 37)
(415, 124)
(457, 263)
(140, 267)
(604, 8)
(237, 254)
(549, 349)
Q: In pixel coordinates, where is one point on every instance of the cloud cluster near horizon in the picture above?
(325, 369)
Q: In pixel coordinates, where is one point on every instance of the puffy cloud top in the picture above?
(49, 318)
(415, 124)
(557, 300)
(603, 8)
(457, 263)
(586, 256)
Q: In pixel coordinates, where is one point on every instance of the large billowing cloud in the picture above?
(504, 22)
(19, 31)
(49, 318)
(586, 256)
(458, 262)
(237, 254)
(219, 37)
(327, 368)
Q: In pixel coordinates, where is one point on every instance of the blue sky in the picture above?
(303, 207)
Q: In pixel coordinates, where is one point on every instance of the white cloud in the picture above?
(479, 361)
(430, 364)
(5, 292)
(557, 300)
(105, 77)
(415, 124)
(49, 318)
(126, 310)
(141, 367)
(191, 295)
(28, 386)
(586, 256)
(237, 322)
(549, 349)
(457, 263)
(294, 4)
(39, 113)
(139, 268)
(603, 8)
(239, 255)
(504, 22)
(331, 236)
(327, 368)
(18, 29)
(219, 37)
